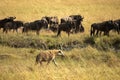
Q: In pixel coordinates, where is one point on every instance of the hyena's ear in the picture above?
(59, 51)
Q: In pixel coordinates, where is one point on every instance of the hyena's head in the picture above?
(60, 53)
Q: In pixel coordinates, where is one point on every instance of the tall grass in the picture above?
(87, 58)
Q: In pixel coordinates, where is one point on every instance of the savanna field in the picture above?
(87, 58)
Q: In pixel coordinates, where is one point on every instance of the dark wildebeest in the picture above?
(51, 20)
(47, 56)
(118, 22)
(105, 27)
(4, 21)
(13, 25)
(48, 19)
(35, 26)
(54, 27)
(67, 27)
(78, 20)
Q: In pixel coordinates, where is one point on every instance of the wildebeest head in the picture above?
(54, 20)
(112, 25)
(115, 26)
(77, 17)
(47, 18)
(44, 23)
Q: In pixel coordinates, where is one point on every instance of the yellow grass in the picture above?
(81, 63)
(19, 64)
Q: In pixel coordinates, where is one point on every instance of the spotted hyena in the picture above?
(48, 55)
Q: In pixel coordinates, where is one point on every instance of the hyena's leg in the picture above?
(54, 62)
(48, 62)
(40, 63)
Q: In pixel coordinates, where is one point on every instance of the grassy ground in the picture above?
(87, 58)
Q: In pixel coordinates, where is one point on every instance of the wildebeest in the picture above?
(12, 25)
(47, 56)
(54, 27)
(5, 20)
(105, 27)
(35, 26)
(54, 20)
(66, 19)
(47, 18)
(78, 20)
(67, 27)
(118, 22)
(51, 20)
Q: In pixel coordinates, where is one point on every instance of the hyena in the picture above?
(47, 56)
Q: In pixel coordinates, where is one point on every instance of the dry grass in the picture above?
(87, 63)
(80, 64)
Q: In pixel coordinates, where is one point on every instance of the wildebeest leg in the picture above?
(37, 32)
(5, 30)
(93, 32)
(16, 30)
(97, 32)
(107, 33)
(48, 62)
(55, 62)
(40, 63)
(104, 33)
(59, 31)
(100, 33)
(68, 34)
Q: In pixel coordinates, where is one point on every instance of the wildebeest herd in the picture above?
(70, 24)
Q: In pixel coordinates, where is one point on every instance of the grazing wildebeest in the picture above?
(12, 25)
(35, 26)
(4, 21)
(78, 20)
(105, 27)
(47, 56)
(67, 27)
